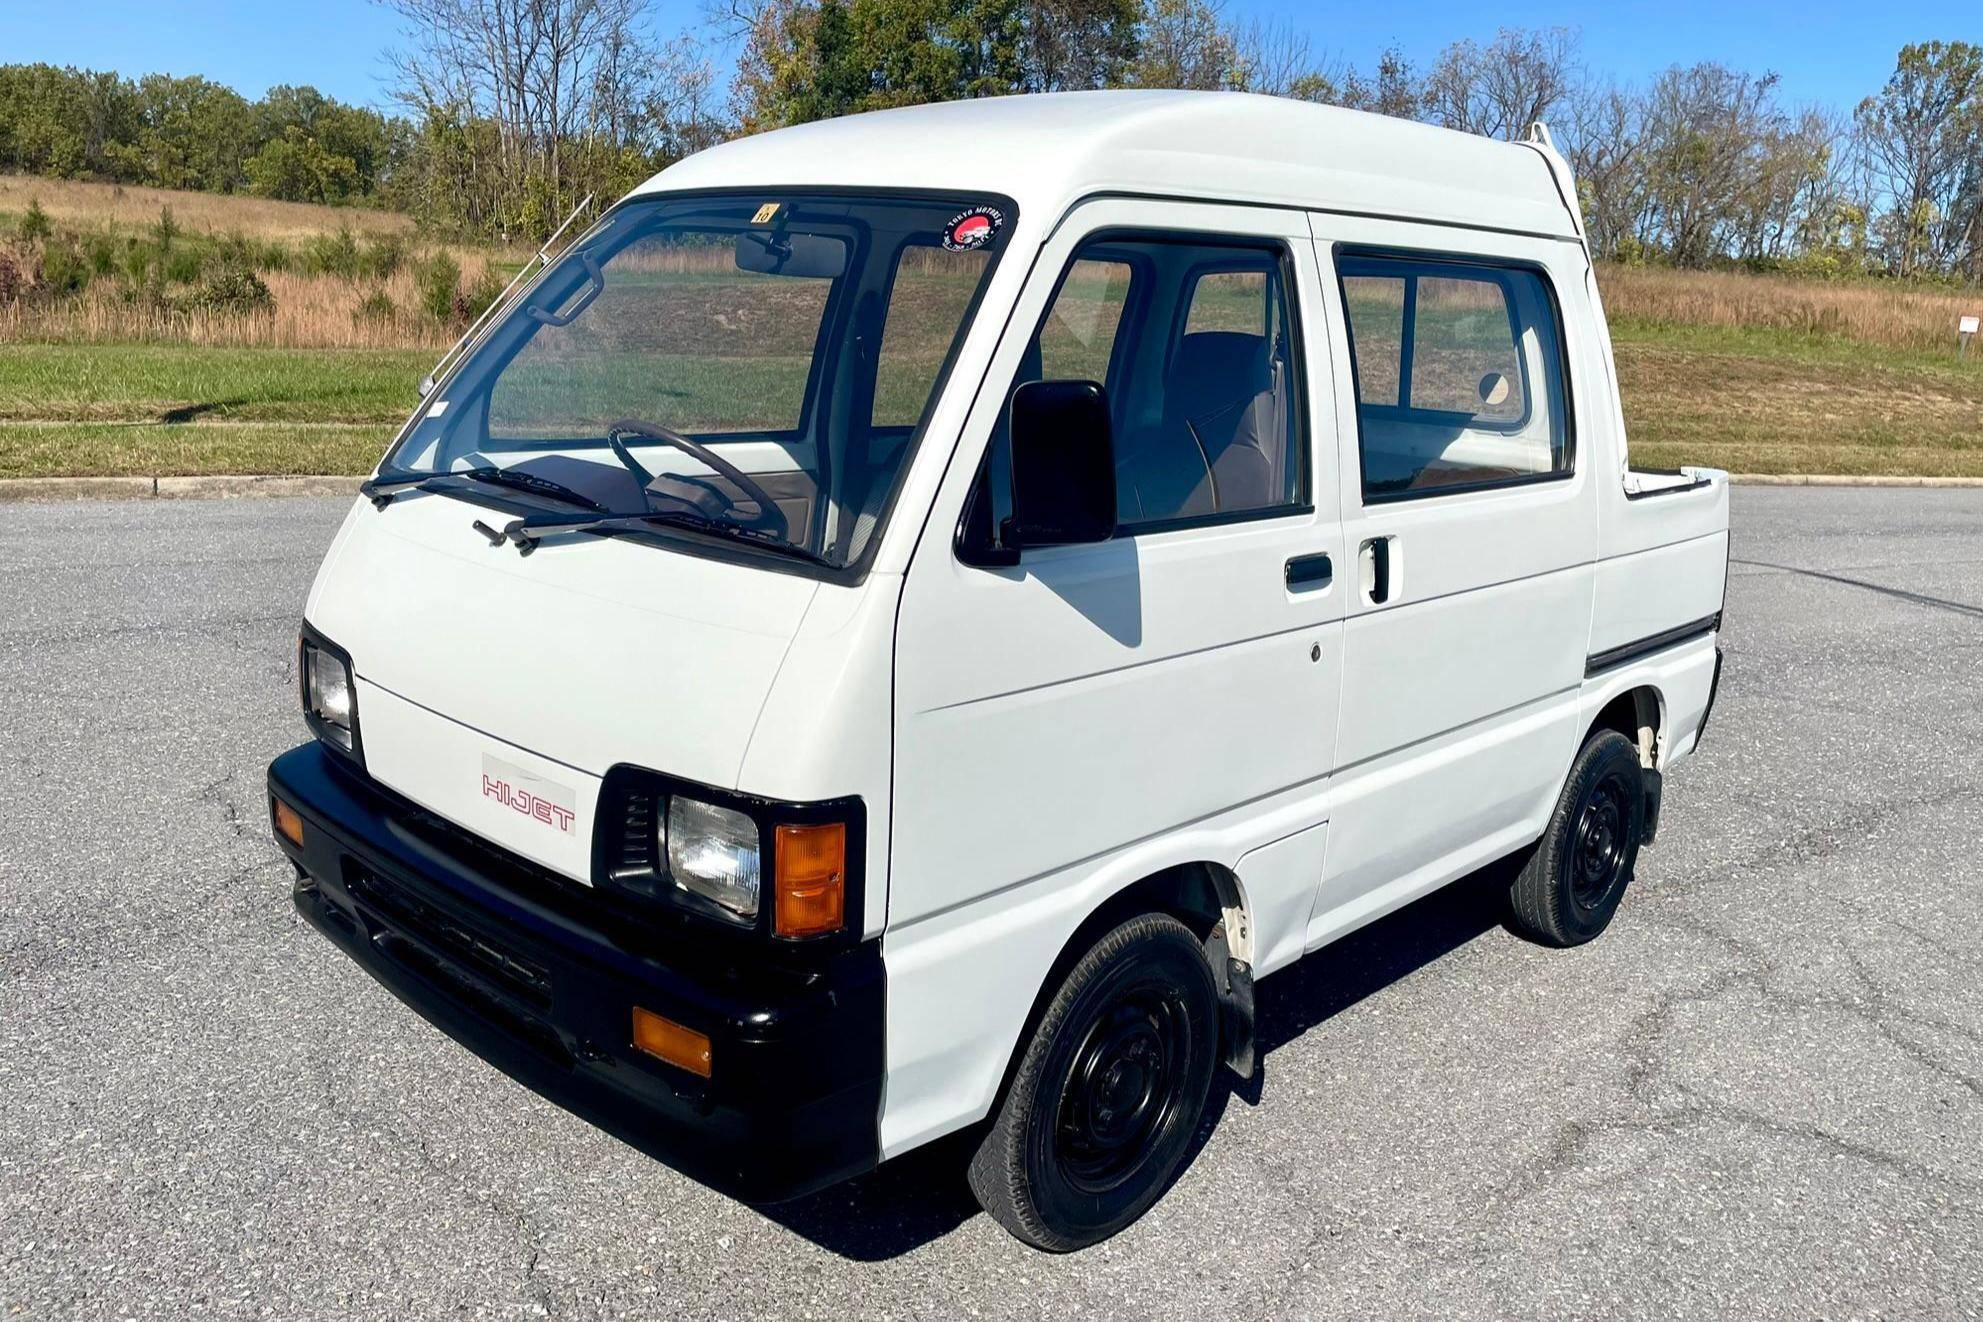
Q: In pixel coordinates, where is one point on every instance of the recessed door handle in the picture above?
(1379, 578)
(1307, 573)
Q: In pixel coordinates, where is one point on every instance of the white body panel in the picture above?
(1083, 707)
(1028, 741)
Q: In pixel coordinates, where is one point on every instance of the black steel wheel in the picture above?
(1108, 1092)
(1571, 883)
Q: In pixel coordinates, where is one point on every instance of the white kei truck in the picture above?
(905, 620)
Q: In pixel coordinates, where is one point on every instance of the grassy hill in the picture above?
(141, 371)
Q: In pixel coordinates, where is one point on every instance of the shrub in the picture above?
(270, 254)
(438, 282)
(384, 255)
(376, 308)
(63, 270)
(165, 229)
(331, 254)
(34, 222)
(182, 264)
(485, 290)
(138, 260)
(100, 251)
(13, 280)
(231, 286)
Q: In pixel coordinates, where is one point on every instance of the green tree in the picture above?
(300, 168)
(1921, 134)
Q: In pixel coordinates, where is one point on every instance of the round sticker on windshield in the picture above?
(972, 229)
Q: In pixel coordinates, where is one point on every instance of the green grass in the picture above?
(1755, 401)
(1748, 400)
(94, 449)
(154, 383)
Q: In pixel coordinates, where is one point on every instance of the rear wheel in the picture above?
(1111, 1087)
(1571, 884)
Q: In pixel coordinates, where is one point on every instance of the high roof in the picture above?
(1045, 152)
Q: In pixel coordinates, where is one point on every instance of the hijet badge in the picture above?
(973, 229)
(530, 796)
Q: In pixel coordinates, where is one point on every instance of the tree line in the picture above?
(505, 112)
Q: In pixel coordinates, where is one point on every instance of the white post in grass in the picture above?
(1965, 331)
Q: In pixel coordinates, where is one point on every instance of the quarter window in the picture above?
(1194, 341)
(932, 290)
(1459, 375)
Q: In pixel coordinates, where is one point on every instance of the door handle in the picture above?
(1375, 566)
(1310, 573)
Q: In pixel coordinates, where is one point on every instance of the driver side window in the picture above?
(1193, 338)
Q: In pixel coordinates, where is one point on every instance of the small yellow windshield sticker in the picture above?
(765, 214)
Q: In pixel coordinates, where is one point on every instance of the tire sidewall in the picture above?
(1079, 1216)
(1601, 757)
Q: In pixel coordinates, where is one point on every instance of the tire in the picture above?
(1103, 1105)
(1572, 881)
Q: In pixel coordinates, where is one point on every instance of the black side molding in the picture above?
(1613, 657)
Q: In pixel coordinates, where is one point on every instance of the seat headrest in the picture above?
(1214, 370)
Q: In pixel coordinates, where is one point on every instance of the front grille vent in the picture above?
(637, 845)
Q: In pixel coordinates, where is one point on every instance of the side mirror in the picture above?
(1063, 465)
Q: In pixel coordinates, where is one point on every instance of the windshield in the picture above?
(753, 364)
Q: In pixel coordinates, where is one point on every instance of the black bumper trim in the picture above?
(544, 992)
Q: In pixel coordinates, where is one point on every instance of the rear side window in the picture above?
(1459, 375)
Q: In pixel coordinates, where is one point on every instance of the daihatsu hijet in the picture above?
(904, 620)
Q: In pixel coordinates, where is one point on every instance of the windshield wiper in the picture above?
(381, 490)
(526, 533)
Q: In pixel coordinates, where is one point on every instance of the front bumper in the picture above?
(539, 977)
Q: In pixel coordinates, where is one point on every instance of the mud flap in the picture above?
(1236, 1017)
(1653, 786)
(1235, 980)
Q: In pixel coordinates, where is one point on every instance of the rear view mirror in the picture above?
(1063, 465)
(813, 256)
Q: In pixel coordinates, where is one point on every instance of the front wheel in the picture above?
(1111, 1087)
(1571, 884)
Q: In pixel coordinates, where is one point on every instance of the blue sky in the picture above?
(1826, 51)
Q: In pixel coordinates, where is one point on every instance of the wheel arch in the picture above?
(1637, 711)
(1207, 897)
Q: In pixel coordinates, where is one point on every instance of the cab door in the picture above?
(1093, 701)
(1471, 523)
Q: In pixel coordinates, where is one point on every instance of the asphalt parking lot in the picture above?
(1760, 1093)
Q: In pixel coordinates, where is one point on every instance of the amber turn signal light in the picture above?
(288, 822)
(664, 1039)
(811, 865)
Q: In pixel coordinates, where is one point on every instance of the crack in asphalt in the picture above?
(1902, 594)
(529, 1236)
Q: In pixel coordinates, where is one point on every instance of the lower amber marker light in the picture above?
(288, 822)
(664, 1039)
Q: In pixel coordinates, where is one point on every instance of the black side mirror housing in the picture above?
(1063, 465)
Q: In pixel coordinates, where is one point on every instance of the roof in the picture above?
(1046, 152)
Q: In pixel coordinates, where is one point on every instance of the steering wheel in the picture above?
(769, 518)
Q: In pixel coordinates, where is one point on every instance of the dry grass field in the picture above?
(311, 311)
(1860, 311)
(87, 205)
(1757, 374)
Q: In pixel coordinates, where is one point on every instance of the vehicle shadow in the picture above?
(922, 1196)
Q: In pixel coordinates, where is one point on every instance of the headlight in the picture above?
(328, 701)
(713, 852)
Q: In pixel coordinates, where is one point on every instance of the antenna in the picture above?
(536, 264)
